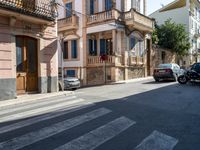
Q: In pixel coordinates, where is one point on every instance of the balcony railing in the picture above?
(138, 18)
(103, 16)
(68, 23)
(136, 60)
(38, 8)
(96, 60)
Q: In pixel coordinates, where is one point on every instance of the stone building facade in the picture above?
(28, 48)
(116, 29)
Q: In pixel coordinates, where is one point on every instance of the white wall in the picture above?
(78, 8)
(180, 15)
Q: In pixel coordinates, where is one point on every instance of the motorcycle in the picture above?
(189, 75)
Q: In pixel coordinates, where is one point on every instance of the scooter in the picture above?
(189, 75)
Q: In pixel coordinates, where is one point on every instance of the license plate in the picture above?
(161, 71)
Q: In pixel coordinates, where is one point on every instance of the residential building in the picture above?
(186, 12)
(28, 47)
(117, 30)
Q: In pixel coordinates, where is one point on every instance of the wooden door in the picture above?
(20, 65)
(26, 58)
(148, 58)
(32, 65)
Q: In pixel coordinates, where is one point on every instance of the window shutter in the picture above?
(74, 48)
(108, 5)
(95, 47)
(102, 46)
(65, 50)
(91, 7)
(68, 9)
(90, 47)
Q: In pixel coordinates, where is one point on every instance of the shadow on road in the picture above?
(171, 110)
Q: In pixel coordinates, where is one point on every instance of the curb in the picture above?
(32, 97)
(134, 80)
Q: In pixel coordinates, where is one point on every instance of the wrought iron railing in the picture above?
(38, 8)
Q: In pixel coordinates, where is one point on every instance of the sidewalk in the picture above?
(32, 97)
(135, 80)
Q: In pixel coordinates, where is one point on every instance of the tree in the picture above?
(172, 36)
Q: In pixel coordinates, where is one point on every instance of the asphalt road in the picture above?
(140, 115)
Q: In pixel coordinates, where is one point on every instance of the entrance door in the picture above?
(26, 58)
(148, 58)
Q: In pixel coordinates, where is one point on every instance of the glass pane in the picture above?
(68, 9)
(70, 73)
(32, 55)
(19, 54)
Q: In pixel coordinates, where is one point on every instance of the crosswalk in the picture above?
(22, 116)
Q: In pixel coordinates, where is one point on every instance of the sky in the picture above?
(153, 5)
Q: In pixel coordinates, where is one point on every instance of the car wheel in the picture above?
(157, 80)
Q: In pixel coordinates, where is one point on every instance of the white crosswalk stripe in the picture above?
(42, 110)
(32, 137)
(48, 110)
(98, 136)
(35, 105)
(32, 121)
(157, 141)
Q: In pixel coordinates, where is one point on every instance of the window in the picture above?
(65, 50)
(71, 73)
(106, 46)
(108, 5)
(68, 9)
(132, 42)
(19, 54)
(91, 7)
(92, 47)
(102, 46)
(136, 44)
(74, 49)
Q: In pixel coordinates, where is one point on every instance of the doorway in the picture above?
(26, 64)
(148, 57)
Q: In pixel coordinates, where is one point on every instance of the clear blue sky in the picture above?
(153, 5)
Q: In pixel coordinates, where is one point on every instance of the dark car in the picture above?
(196, 67)
(166, 72)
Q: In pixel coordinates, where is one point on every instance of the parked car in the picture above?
(166, 72)
(69, 83)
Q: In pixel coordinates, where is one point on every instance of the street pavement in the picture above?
(139, 115)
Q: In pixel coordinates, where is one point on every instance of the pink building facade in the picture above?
(28, 48)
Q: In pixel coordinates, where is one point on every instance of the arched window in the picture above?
(136, 44)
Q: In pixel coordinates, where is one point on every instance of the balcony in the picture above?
(100, 17)
(135, 20)
(112, 60)
(136, 60)
(70, 23)
(40, 9)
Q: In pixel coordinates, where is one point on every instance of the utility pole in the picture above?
(61, 41)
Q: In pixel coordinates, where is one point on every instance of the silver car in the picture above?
(70, 83)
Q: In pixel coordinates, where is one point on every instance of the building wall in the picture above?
(170, 57)
(179, 15)
(182, 16)
(69, 35)
(47, 56)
